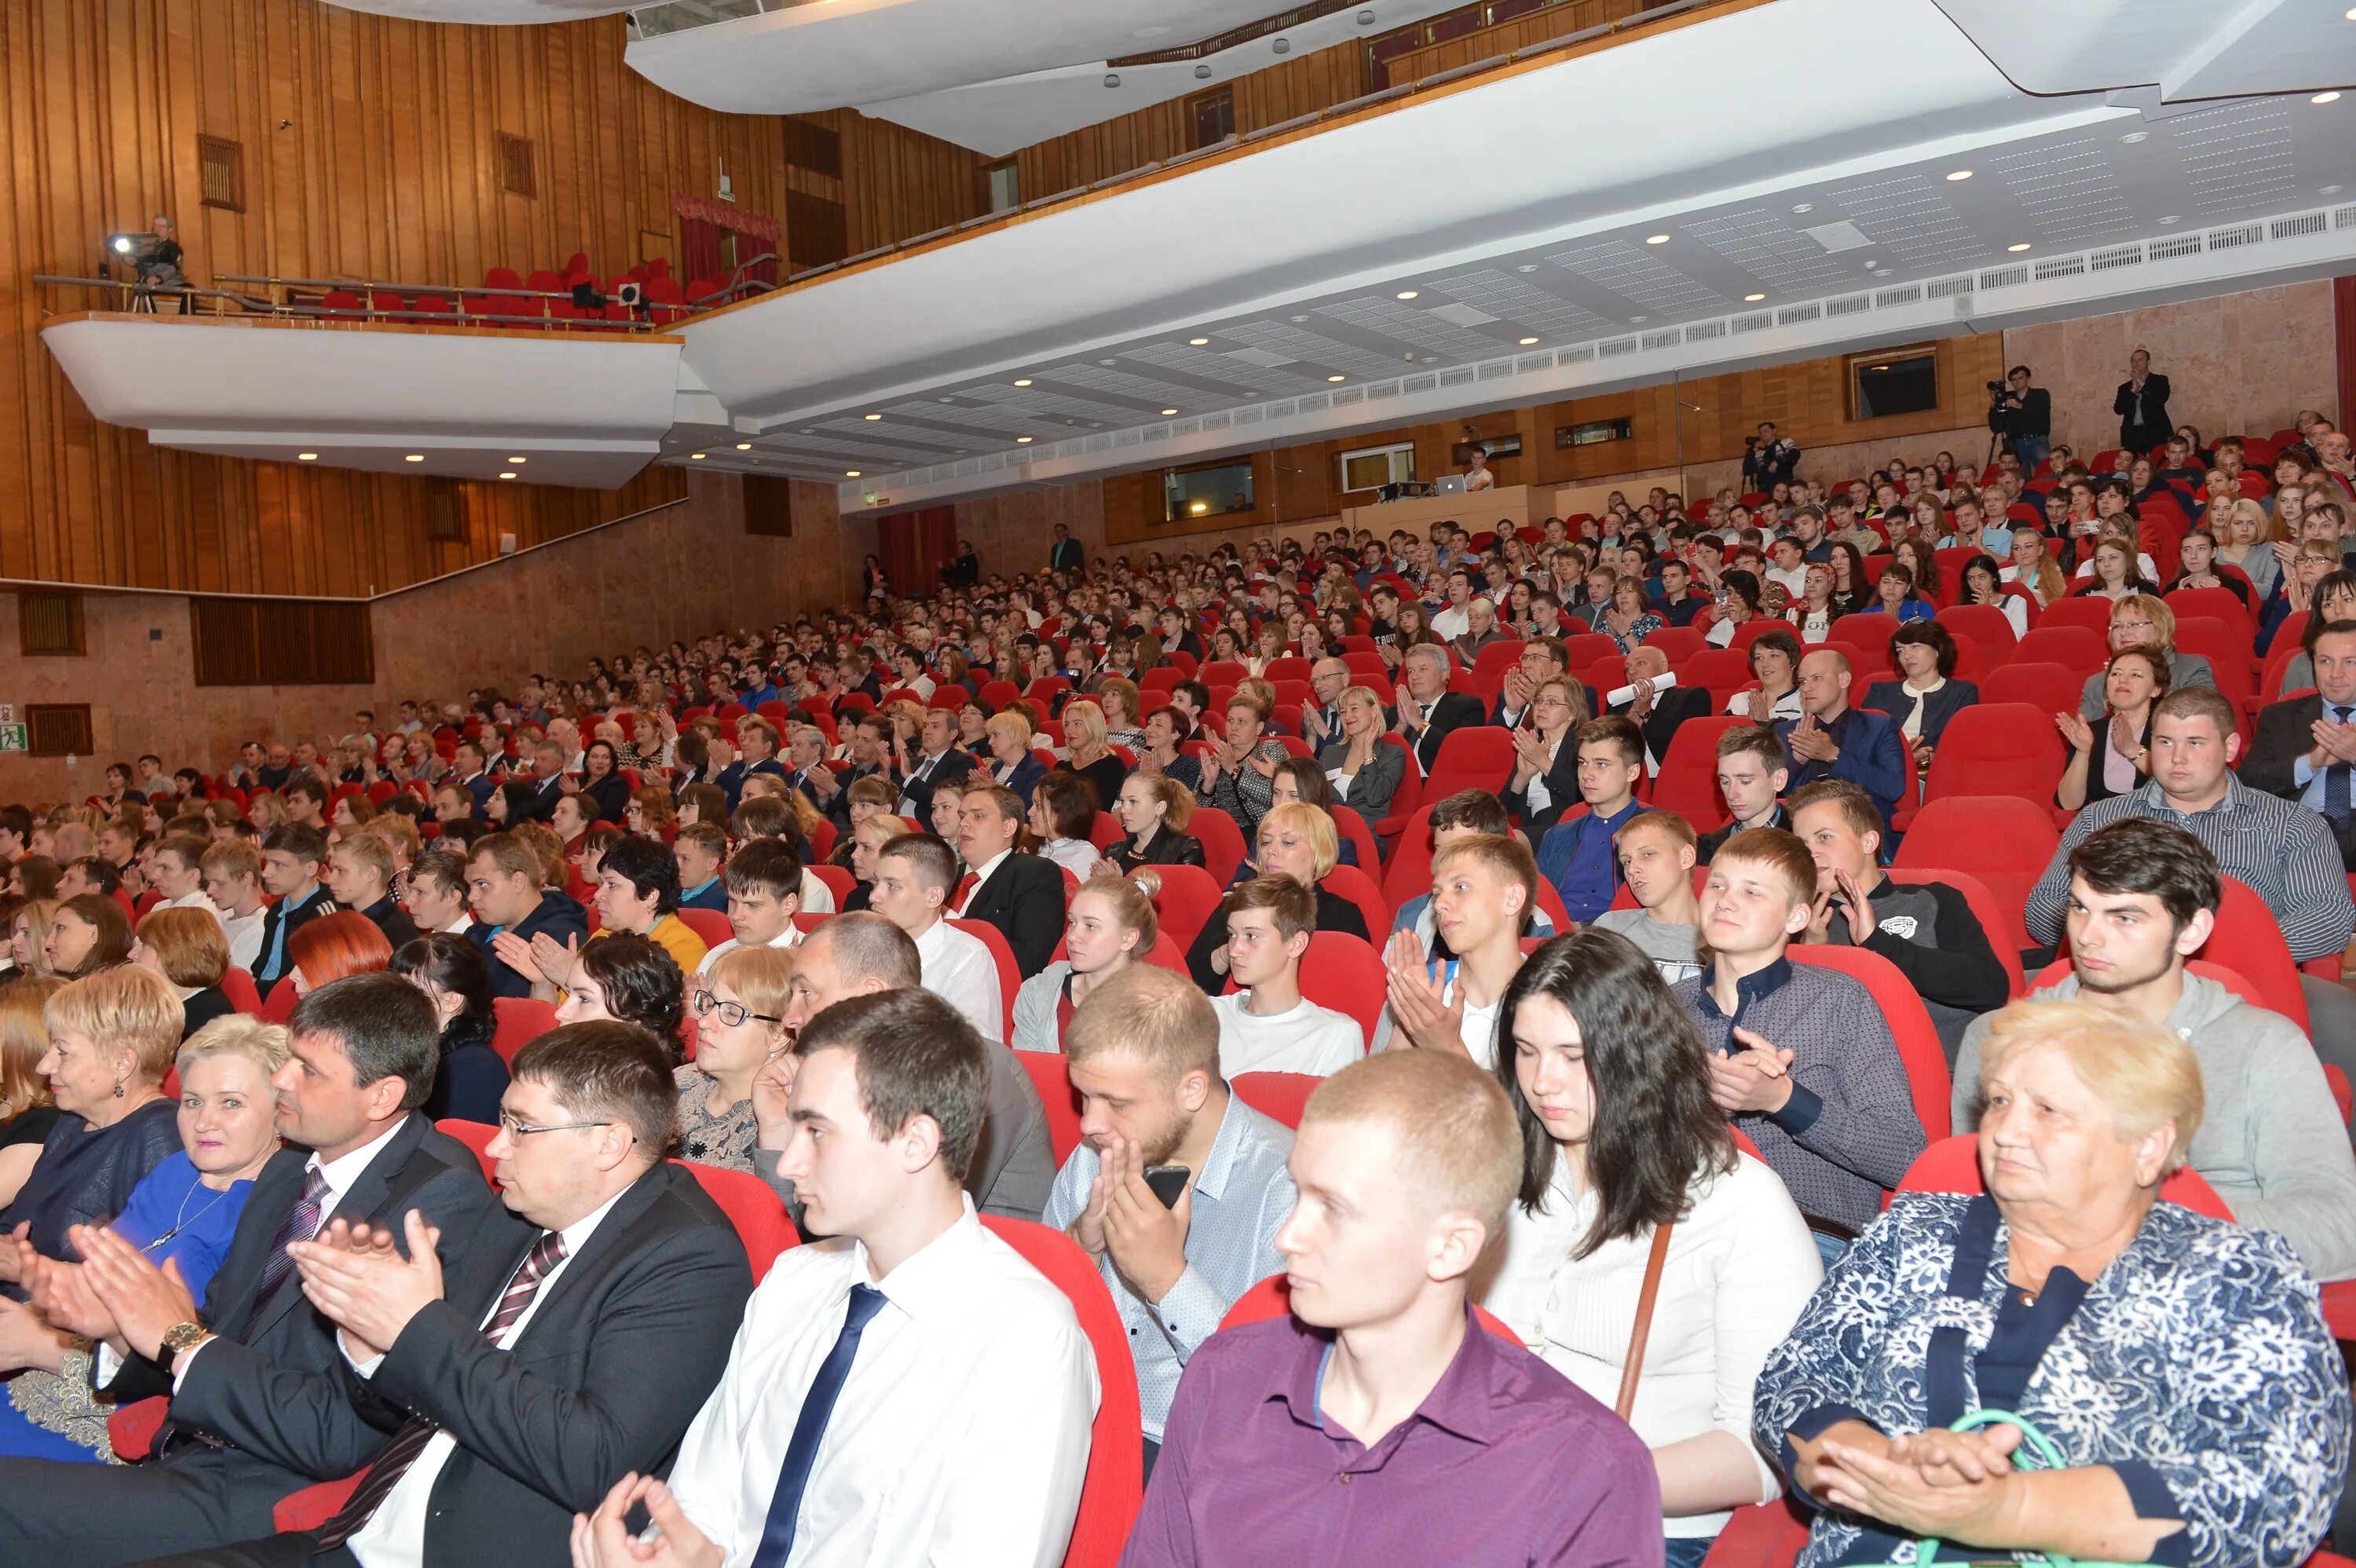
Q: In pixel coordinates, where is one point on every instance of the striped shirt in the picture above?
(2284, 851)
(1850, 1130)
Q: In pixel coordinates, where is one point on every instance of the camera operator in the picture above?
(1769, 459)
(158, 266)
(2023, 416)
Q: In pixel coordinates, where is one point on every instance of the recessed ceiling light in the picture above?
(2329, 190)
(2132, 138)
(2325, 98)
(1198, 342)
(1638, 320)
(506, 473)
(1167, 412)
(1407, 293)
(743, 446)
(2351, 14)
(850, 473)
(414, 457)
(1527, 341)
(2017, 249)
(1753, 299)
(1656, 238)
(2172, 217)
(519, 460)
(306, 457)
(1527, 267)
(872, 418)
(1023, 383)
(1956, 175)
(1805, 206)
(1021, 441)
(1337, 378)
(696, 455)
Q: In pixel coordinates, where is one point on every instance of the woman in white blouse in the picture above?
(1610, 1085)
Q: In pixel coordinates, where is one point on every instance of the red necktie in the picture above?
(966, 884)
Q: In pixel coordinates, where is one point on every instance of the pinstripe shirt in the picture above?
(1241, 1195)
(2283, 850)
(1849, 1129)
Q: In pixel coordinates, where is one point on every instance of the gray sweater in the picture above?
(2270, 1142)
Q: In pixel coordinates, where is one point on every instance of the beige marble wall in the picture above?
(2237, 364)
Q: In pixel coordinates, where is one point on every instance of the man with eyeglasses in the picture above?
(258, 1402)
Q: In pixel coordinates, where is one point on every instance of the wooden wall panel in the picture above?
(385, 168)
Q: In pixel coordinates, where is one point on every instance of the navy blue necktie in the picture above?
(2335, 803)
(809, 1429)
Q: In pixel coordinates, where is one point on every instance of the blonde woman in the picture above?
(2032, 566)
(1111, 924)
(2246, 537)
(739, 1005)
(1091, 754)
(2145, 620)
(867, 841)
(1012, 762)
(1364, 769)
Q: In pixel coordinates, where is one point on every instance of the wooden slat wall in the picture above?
(1807, 399)
(1297, 85)
(386, 169)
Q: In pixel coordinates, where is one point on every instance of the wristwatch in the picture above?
(183, 1337)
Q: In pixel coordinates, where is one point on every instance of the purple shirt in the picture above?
(1506, 1465)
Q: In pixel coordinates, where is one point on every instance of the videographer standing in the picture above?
(2023, 415)
(1769, 459)
(2142, 407)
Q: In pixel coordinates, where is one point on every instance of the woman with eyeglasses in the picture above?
(740, 1029)
(455, 972)
(184, 1212)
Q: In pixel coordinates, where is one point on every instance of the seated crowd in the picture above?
(1335, 965)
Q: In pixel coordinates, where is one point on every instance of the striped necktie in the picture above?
(416, 1432)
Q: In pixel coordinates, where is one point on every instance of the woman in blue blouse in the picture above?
(2181, 1363)
(186, 1210)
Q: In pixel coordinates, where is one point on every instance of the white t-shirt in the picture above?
(817, 897)
(1451, 624)
(791, 937)
(244, 937)
(1307, 1039)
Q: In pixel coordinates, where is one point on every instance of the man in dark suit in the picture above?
(870, 743)
(547, 780)
(511, 908)
(1831, 739)
(758, 738)
(1063, 554)
(2142, 407)
(467, 766)
(1426, 710)
(942, 762)
(1022, 895)
(258, 1405)
(1659, 712)
(2306, 746)
(564, 1347)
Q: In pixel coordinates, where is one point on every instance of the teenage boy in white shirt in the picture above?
(1657, 862)
(914, 874)
(1480, 886)
(1266, 1025)
(234, 883)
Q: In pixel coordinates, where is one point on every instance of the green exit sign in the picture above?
(12, 738)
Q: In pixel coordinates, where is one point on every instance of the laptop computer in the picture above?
(1448, 485)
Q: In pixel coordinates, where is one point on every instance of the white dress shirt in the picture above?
(460, 926)
(1741, 1266)
(245, 936)
(1304, 1038)
(959, 1437)
(959, 970)
(789, 938)
(197, 900)
(394, 1536)
(817, 897)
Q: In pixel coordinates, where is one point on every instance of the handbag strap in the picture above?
(1634, 1369)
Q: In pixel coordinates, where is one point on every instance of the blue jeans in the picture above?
(1687, 1550)
(1831, 1248)
(2031, 450)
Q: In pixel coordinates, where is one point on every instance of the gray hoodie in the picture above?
(2270, 1142)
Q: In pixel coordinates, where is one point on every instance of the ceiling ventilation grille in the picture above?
(2173, 248)
(1577, 353)
(1950, 288)
(1529, 362)
(1456, 376)
(1120, 438)
(1314, 403)
(1850, 304)
(1908, 293)
(2003, 277)
(2239, 234)
(1383, 389)
(1218, 421)
(1702, 330)
(1791, 315)
(2061, 267)
(1669, 339)
(1248, 416)
(1423, 383)
(1754, 321)
(2114, 256)
(2294, 227)
(1614, 347)
(1349, 395)
(2344, 217)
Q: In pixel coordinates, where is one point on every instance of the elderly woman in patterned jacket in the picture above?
(2179, 1363)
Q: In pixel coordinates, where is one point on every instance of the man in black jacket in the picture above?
(1426, 710)
(567, 1345)
(1772, 459)
(1926, 929)
(2304, 748)
(943, 761)
(1063, 554)
(1022, 895)
(2023, 415)
(258, 1407)
(1659, 710)
(291, 858)
(511, 908)
(2142, 407)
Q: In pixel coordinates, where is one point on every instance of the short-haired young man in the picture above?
(1021, 894)
(906, 1382)
(503, 885)
(290, 873)
(1753, 770)
(1266, 1025)
(360, 873)
(1926, 929)
(1576, 853)
(702, 849)
(435, 892)
(233, 884)
(1657, 862)
(257, 1382)
(763, 880)
(307, 801)
(1830, 739)
(1405, 1164)
(1144, 1052)
(1800, 1058)
(914, 874)
(177, 874)
(1482, 886)
(2143, 899)
(1467, 814)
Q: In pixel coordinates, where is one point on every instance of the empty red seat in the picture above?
(2006, 842)
(2047, 686)
(1986, 624)
(1996, 749)
(2076, 648)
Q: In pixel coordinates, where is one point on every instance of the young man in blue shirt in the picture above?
(1576, 855)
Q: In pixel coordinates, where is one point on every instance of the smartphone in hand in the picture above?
(1168, 1181)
